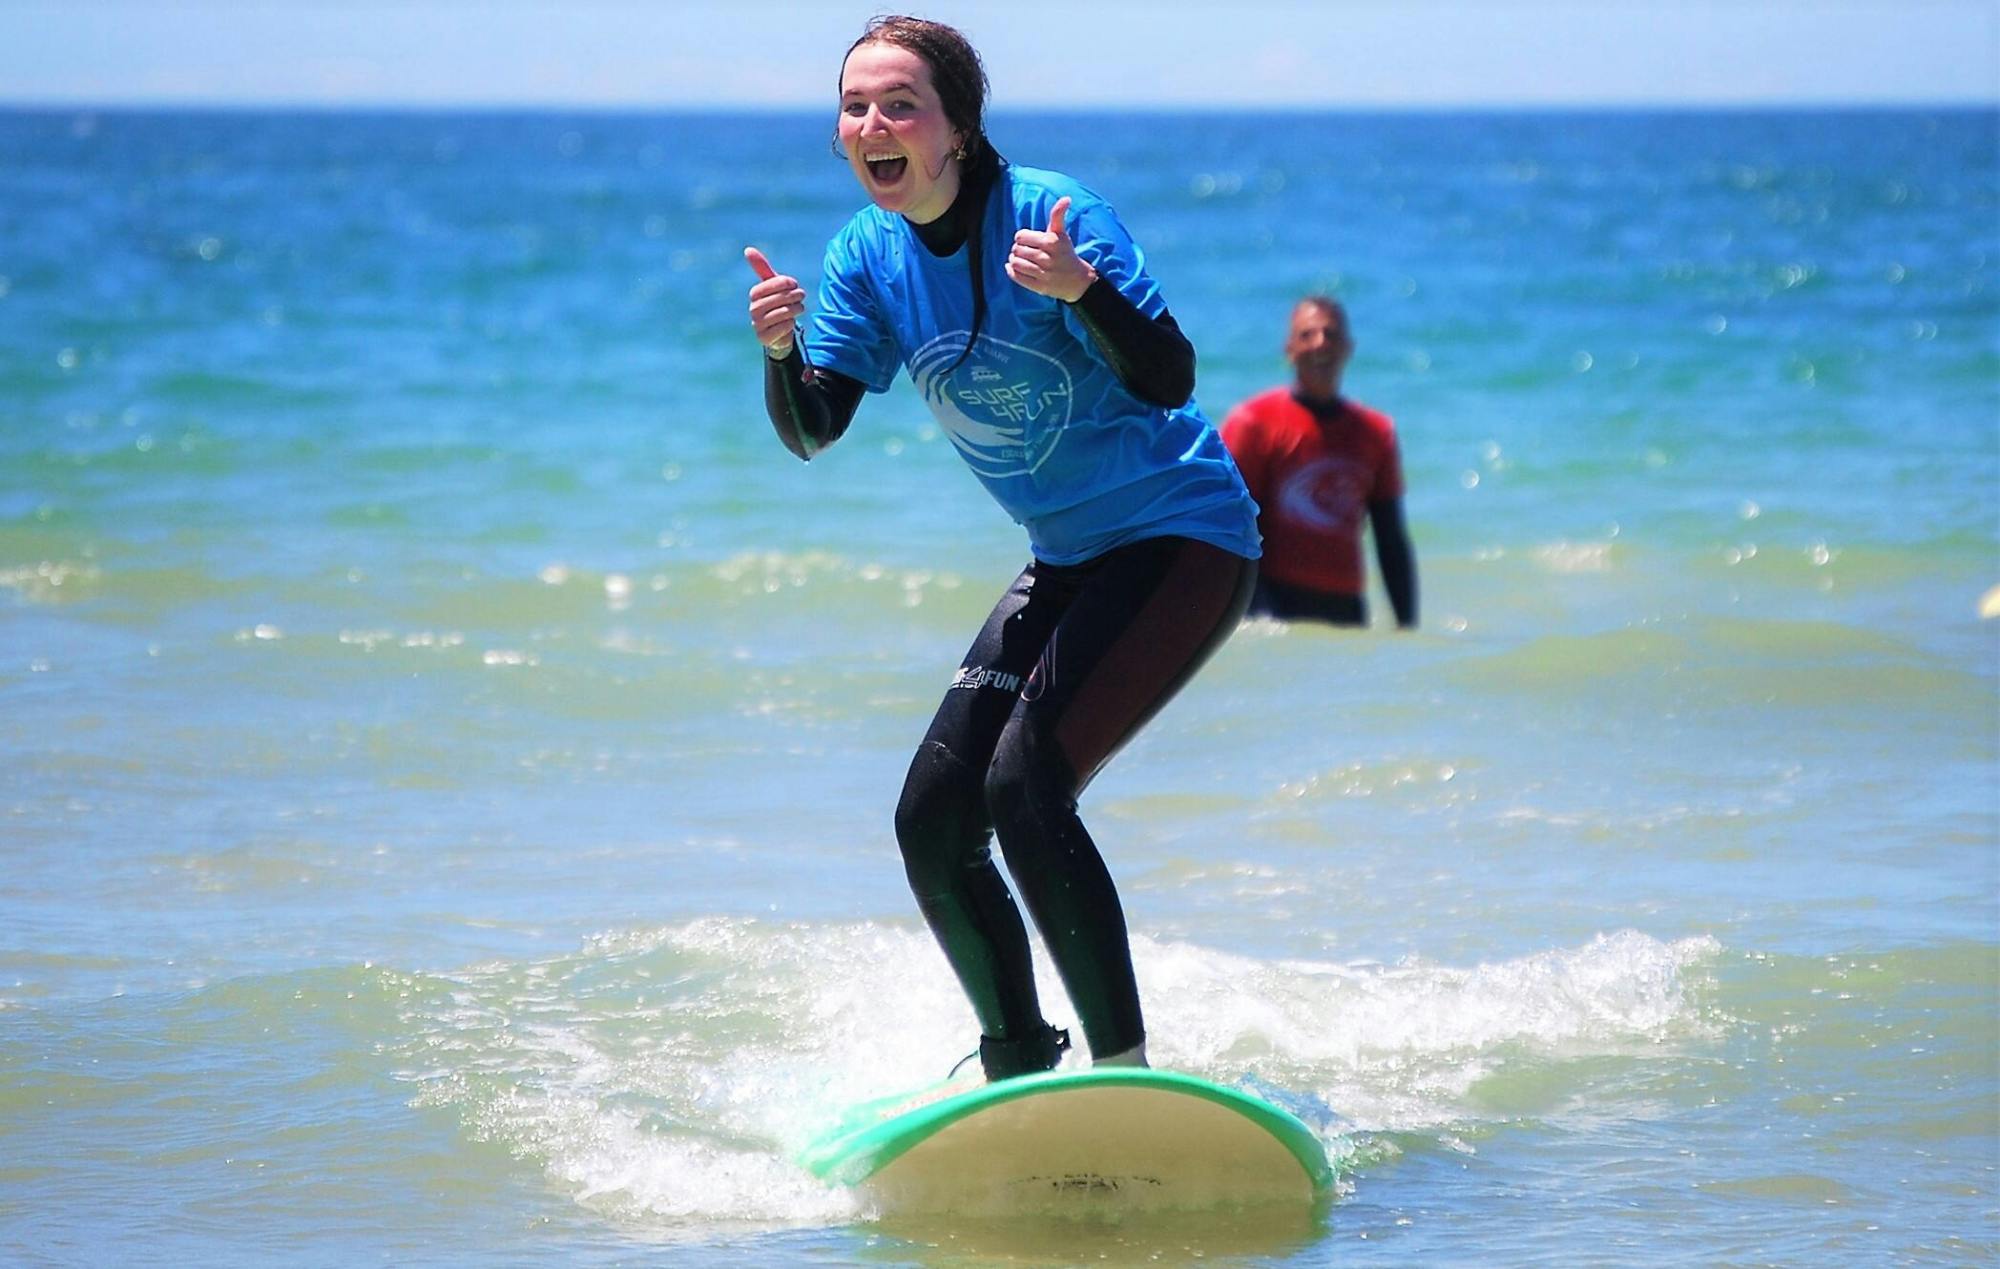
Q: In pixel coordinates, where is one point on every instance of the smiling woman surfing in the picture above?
(1024, 314)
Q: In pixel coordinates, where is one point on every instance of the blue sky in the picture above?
(1077, 53)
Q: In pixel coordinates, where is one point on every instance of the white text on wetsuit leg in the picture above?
(974, 677)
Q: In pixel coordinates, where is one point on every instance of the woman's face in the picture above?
(895, 134)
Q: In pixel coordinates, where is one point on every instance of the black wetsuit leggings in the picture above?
(1296, 603)
(1073, 660)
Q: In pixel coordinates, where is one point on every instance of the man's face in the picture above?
(1318, 343)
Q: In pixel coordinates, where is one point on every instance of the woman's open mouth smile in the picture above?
(886, 169)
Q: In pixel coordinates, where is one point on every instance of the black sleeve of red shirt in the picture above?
(1399, 562)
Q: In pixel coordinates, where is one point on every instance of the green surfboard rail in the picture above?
(866, 1142)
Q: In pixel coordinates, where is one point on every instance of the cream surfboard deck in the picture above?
(1114, 1136)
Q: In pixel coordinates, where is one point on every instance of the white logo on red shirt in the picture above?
(1328, 494)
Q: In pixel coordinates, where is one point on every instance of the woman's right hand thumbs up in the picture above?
(777, 302)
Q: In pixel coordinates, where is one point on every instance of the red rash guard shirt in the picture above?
(1313, 481)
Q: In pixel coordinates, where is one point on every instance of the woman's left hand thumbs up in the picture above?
(1046, 262)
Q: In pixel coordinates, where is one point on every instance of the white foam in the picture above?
(671, 1075)
(1397, 1047)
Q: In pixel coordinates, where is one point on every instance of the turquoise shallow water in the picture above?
(447, 747)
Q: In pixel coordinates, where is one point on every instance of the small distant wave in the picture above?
(869, 582)
(1727, 664)
(822, 584)
(51, 581)
(1577, 557)
(1363, 780)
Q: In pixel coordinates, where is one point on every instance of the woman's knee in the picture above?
(941, 823)
(1028, 783)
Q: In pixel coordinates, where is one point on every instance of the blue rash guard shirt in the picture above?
(1037, 414)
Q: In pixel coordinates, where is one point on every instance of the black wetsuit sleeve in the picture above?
(1149, 355)
(1399, 562)
(810, 408)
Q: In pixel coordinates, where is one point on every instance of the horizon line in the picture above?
(1470, 105)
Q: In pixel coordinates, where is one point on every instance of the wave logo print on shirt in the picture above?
(1004, 407)
(1327, 494)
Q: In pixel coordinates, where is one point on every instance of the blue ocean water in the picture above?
(447, 746)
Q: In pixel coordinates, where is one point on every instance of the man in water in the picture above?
(1316, 461)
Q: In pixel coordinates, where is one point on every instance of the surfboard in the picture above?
(1106, 1136)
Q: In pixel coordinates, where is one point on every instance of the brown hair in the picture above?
(956, 71)
(959, 78)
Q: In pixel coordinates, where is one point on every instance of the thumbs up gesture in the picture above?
(777, 302)
(1046, 262)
